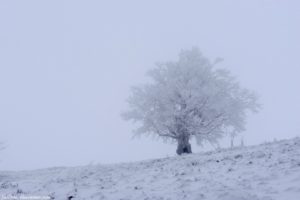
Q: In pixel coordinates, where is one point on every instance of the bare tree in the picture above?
(188, 99)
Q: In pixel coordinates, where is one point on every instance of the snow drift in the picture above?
(265, 172)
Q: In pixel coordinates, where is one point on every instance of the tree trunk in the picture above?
(232, 141)
(183, 145)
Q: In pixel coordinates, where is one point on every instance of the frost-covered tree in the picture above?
(2, 147)
(190, 98)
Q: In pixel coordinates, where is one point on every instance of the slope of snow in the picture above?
(265, 172)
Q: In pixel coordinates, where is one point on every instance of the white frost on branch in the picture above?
(190, 98)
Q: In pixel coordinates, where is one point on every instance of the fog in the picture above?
(66, 68)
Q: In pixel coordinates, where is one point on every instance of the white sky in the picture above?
(66, 68)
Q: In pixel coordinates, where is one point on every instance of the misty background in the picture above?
(66, 68)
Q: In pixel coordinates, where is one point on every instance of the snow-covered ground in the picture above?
(266, 172)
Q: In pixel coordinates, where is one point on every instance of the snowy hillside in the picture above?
(267, 172)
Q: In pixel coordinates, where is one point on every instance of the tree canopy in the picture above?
(190, 98)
